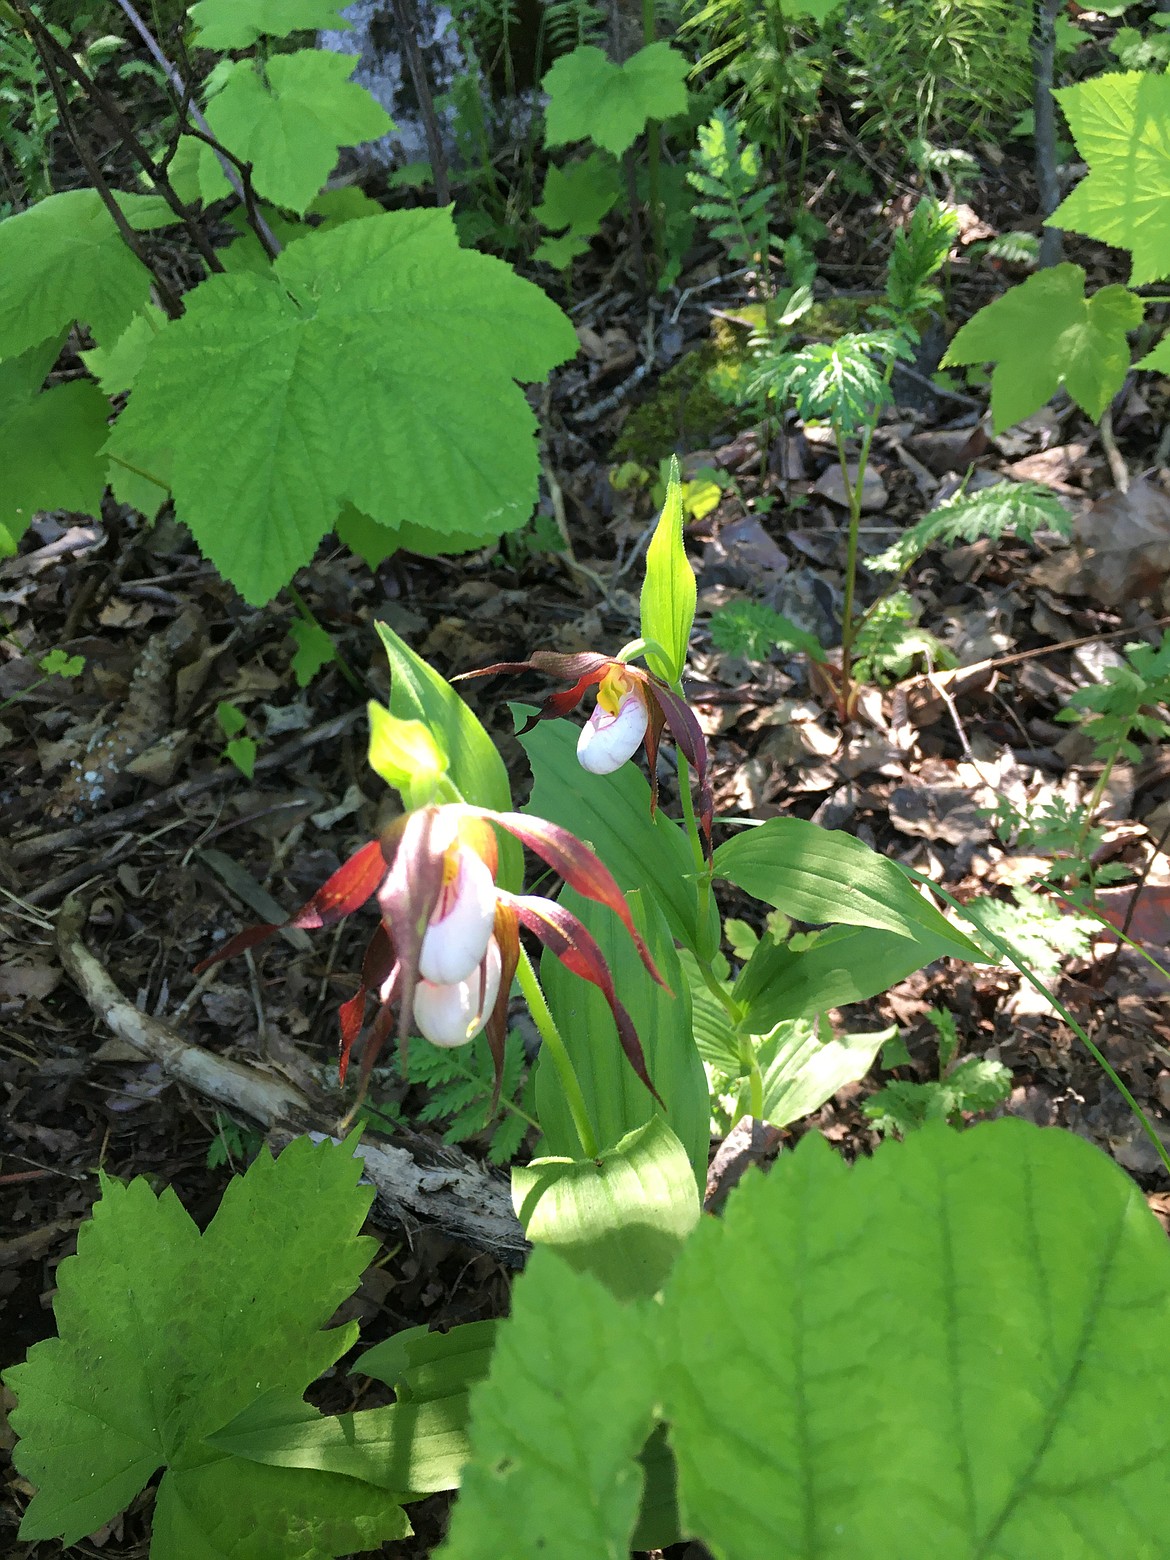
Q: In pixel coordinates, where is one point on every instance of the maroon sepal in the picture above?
(377, 966)
(567, 940)
(688, 734)
(346, 891)
(583, 671)
(581, 870)
(507, 935)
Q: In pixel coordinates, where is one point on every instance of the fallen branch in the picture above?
(424, 1184)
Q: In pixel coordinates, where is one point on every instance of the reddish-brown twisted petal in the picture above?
(581, 870)
(377, 967)
(654, 725)
(582, 670)
(567, 940)
(355, 881)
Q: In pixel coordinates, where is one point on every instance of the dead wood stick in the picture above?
(450, 1192)
(128, 817)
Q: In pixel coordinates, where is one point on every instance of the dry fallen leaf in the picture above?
(1124, 541)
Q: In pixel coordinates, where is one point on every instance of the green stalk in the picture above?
(653, 153)
(848, 627)
(551, 1037)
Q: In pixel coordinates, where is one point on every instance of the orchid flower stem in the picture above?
(551, 1038)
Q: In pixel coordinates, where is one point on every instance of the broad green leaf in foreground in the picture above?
(819, 875)
(1045, 333)
(956, 1348)
(557, 1426)
(377, 365)
(290, 123)
(165, 1336)
(63, 260)
(238, 24)
(1119, 123)
(49, 443)
(591, 98)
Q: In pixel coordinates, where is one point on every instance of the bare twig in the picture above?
(406, 20)
(425, 1183)
(1117, 467)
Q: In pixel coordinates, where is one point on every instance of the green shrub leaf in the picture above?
(591, 98)
(50, 443)
(376, 364)
(165, 1336)
(956, 1349)
(1045, 333)
(238, 24)
(63, 260)
(557, 1426)
(289, 123)
(1118, 123)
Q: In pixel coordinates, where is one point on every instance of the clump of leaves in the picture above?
(920, 251)
(889, 640)
(844, 382)
(734, 197)
(974, 1084)
(460, 1085)
(1008, 508)
(1125, 704)
(752, 630)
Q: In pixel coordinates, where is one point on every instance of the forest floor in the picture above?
(114, 788)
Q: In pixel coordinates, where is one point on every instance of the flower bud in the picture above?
(607, 741)
(452, 1014)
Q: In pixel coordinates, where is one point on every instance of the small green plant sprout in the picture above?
(1137, 50)
(314, 649)
(889, 640)
(969, 1086)
(241, 750)
(752, 630)
(232, 1144)
(734, 196)
(55, 664)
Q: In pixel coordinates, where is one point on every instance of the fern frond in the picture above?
(1007, 509)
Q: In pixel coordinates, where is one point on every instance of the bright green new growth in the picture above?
(1045, 333)
(751, 629)
(557, 1425)
(591, 98)
(956, 1348)
(288, 119)
(975, 1084)
(377, 363)
(576, 198)
(1122, 706)
(668, 588)
(238, 24)
(460, 1086)
(1119, 125)
(1006, 508)
(920, 251)
(167, 1335)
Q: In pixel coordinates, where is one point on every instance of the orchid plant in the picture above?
(637, 911)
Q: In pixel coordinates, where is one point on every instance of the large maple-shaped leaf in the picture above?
(1045, 333)
(376, 364)
(49, 443)
(63, 260)
(238, 24)
(1121, 125)
(290, 123)
(589, 97)
(165, 1336)
(556, 1426)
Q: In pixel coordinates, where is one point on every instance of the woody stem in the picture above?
(555, 1046)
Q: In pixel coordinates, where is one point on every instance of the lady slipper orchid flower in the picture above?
(633, 708)
(448, 943)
